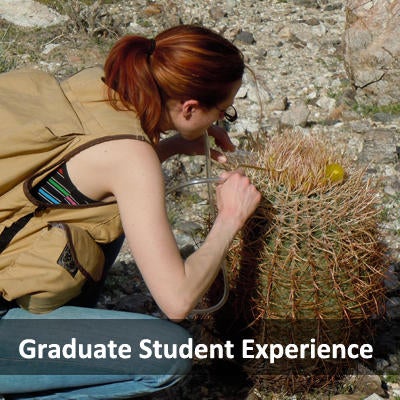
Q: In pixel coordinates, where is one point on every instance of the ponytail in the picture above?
(181, 63)
(130, 81)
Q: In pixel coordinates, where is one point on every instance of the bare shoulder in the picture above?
(114, 149)
(100, 170)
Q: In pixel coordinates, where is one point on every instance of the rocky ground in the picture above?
(295, 50)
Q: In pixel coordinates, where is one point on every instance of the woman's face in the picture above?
(191, 119)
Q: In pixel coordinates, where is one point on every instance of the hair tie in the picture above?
(152, 47)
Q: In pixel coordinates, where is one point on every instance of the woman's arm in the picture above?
(170, 146)
(132, 172)
(177, 145)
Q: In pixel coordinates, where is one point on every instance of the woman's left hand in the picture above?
(178, 145)
(222, 140)
(197, 146)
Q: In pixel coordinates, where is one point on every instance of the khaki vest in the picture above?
(43, 124)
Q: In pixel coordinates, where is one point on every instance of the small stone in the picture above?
(217, 13)
(279, 104)
(245, 37)
(230, 4)
(350, 115)
(285, 33)
(275, 52)
(326, 103)
(153, 9)
(333, 7)
(49, 48)
(369, 385)
(258, 93)
(312, 21)
(382, 117)
(360, 126)
(395, 391)
(381, 364)
(390, 190)
(297, 115)
(242, 93)
(374, 396)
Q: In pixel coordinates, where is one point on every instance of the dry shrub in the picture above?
(309, 262)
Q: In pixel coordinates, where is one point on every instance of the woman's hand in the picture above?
(237, 198)
(131, 171)
(178, 145)
(222, 140)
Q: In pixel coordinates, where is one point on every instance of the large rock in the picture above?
(29, 13)
(372, 50)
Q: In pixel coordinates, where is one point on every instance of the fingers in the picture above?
(217, 156)
(237, 197)
(226, 174)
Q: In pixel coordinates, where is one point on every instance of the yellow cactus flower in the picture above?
(334, 173)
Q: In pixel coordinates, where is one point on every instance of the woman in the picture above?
(185, 79)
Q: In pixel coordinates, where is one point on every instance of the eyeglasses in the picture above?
(230, 113)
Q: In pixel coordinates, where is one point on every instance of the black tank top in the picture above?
(57, 188)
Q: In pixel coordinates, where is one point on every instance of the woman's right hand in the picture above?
(237, 198)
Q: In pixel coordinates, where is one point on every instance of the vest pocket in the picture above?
(55, 268)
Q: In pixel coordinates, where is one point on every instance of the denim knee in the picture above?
(179, 367)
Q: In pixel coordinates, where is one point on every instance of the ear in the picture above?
(188, 107)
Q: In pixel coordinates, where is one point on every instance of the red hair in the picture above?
(184, 62)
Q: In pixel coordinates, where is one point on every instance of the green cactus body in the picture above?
(311, 251)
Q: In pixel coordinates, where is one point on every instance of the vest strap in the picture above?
(8, 233)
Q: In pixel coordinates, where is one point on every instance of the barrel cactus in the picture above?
(308, 264)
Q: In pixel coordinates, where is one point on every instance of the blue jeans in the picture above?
(105, 386)
(84, 387)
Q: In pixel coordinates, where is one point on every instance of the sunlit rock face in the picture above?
(372, 49)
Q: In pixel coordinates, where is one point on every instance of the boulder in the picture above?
(29, 13)
(372, 50)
